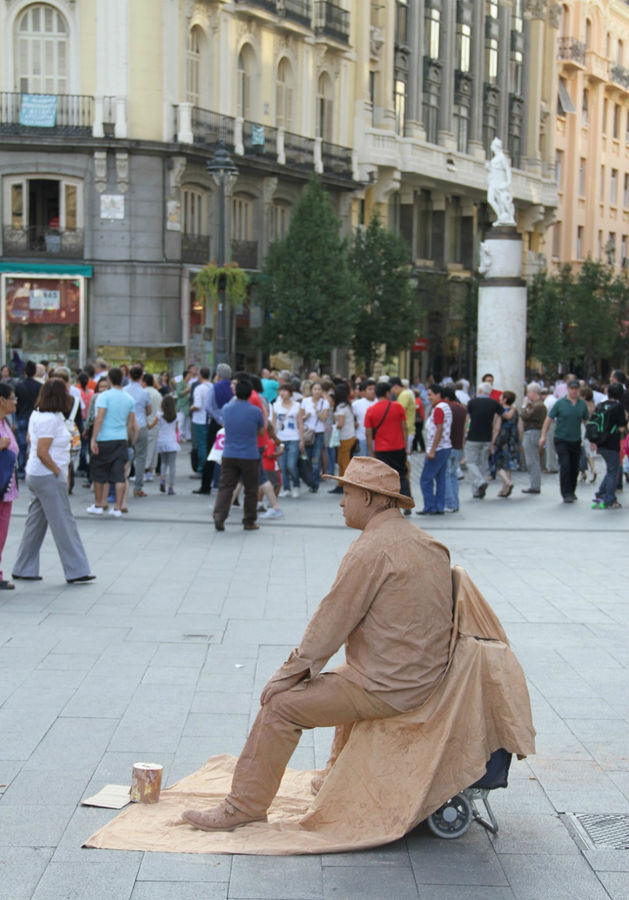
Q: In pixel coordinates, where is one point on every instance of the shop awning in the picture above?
(41, 268)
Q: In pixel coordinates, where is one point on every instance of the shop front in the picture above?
(43, 313)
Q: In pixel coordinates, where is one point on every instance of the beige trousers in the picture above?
(325, 700)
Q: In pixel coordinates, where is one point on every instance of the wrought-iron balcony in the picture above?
(245, 253)
(297, 10)
(269, 5)
(195, 248)
(40, 114)
(332, 21)
(210, 127)
(619, 75)
(41, 242)
(336, 159)
(299, 151)
(572, 49)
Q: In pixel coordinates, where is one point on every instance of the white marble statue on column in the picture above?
(499, 192)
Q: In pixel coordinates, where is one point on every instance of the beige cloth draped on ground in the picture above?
(390, 775)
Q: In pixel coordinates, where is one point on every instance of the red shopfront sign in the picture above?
(420, 344)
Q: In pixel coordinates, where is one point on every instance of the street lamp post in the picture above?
(223, 171)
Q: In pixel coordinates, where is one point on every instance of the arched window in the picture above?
(193, 66)
(242, 217)
(194, 216)
(246, 72)
(325, 108)
(284, 95)
(41, 56)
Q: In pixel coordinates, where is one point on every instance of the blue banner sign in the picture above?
(39, 110)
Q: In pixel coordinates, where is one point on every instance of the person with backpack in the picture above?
(604, 429)
(568, 413)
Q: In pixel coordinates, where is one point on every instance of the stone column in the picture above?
(447, 54)
(501, 347)
(537, 9)
(475, 143)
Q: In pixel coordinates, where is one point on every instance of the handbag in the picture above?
(335, 436)
(7, 470)
(309, 437)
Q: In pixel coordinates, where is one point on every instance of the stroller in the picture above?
(456, 815)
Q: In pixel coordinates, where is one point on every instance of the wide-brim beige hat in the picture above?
(374, 475)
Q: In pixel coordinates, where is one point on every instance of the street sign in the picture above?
(420, 344)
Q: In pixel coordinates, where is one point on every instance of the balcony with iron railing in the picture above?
(245, 253)
(33, 242)
(336, 159)
(619, 75)
(331, 21)
(268, 5)
(297, 10)
(195, 248)
(37, 114)
(62, 115)
(211, 128)
(242, 137)
(572, 50)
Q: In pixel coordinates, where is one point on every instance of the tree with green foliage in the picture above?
(308, 294)
(579, 320)
(388, 316)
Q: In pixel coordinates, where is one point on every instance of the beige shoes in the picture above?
(223, 817)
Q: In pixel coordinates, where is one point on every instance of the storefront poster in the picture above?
(44, 300)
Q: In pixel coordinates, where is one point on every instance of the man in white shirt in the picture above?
(198, 416)
(360, 407)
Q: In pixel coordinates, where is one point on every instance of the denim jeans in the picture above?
(362, 445)
(314, 455)
(289, 461)
(607, 490)
(433, 481)
(452, 479)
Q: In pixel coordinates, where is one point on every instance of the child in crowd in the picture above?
(273, 449)
(167, 443)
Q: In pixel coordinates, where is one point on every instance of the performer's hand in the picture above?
(276, 687)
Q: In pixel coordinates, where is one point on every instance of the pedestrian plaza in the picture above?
(163, 657)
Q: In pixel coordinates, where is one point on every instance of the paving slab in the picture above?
(165, 654)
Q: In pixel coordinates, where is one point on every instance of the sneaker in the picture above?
(116, 513)
(149, 476)
(284, 493)
(272, 514)
(261, 508)
(94, 510)
(162, 487)
(171, 492)
(295, 493)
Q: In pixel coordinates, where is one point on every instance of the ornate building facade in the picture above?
(438, 80)
(109, 113)
(592, 135)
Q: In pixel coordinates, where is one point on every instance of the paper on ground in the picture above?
(112, 796)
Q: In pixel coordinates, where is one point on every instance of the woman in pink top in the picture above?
(7, 442)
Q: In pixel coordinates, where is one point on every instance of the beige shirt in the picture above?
(391, 604)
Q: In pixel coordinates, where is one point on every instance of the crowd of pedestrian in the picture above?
(271, 436)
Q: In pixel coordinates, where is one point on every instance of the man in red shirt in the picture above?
(387, 434)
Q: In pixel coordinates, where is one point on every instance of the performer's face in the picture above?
(354, 507)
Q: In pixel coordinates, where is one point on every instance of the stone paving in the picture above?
(164, 655)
